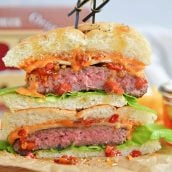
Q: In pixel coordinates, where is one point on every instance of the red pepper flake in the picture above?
(27, 145)
(113, 66)
(114, 118)
(22, 133)
(30, 145)
(111, 152)
(82, 60)
(41, 72)
(49, 66)
(68, 160)
(140, 82)
(88, 122)
(135, 153)
(113, 87)
(63, 88)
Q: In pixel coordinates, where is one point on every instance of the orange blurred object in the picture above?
(168, 115)
(154, 100)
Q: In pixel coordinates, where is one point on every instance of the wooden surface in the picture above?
(14, 169)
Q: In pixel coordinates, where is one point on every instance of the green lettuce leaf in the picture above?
(4, 145)
(4, 91)
(132, 101)
(77, 94)
(88, 148)
(143, 134)
(92, 148)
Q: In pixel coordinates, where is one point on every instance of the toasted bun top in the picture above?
(99, 40)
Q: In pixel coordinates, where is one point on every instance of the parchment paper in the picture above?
(157, 162)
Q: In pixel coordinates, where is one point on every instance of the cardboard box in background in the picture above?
(46, 18)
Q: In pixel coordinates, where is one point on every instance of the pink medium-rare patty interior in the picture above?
(89, 78)
(63, 137)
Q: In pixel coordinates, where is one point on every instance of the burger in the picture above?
(80, 97)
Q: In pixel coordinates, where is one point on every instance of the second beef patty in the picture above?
(63, 137)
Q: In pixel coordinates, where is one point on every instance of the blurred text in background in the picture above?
(20, 19)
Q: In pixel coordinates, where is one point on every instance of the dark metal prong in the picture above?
(80, 5)
(94, 15)
(77, 14)
(94, 11)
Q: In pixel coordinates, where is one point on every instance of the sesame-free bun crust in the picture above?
(146, 148)
(99, 37)
(83, 101)
(31, 117)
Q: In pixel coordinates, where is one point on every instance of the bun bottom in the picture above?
(146, 148)
(160, 161)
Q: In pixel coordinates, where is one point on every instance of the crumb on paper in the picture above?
(129, 157)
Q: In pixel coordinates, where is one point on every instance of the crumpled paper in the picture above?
(157, 162)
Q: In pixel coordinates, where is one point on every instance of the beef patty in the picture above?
(63, 137)
(89, 78)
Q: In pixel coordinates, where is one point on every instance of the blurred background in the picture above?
(132, 12)
(22, 18)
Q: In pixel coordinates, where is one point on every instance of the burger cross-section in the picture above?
(80, 97)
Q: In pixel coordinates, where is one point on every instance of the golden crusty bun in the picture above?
(51, 116)
(101, 42)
